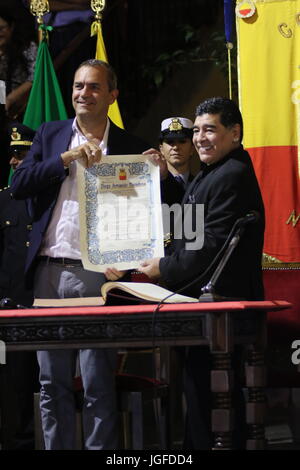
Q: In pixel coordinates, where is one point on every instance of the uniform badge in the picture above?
(15, 135)
(175, 125)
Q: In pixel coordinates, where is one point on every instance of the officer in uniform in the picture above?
(19, 374)
(14, 226)
(4, 140)
(176, 146)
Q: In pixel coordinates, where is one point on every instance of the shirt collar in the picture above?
(103, 143)
(185, 176)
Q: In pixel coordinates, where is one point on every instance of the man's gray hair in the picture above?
(111, 75)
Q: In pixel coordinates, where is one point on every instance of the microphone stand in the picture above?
(208, 291)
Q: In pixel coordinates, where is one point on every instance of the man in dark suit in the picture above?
(19, 375)
(227, 187)
(48, 178)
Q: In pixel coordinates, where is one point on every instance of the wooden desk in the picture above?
(220, 325)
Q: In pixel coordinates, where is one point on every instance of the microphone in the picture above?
(208, 293)
(250, 218)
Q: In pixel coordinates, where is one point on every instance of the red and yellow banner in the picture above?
(269, 96)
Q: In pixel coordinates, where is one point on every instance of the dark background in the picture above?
(169, 55)
(163, 53)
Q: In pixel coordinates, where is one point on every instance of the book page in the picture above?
(147, 291)
(71, 302)
(120, 212)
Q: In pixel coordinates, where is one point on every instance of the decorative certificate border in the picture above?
(88, 180)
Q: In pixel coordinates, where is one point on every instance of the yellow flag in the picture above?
(113, 112)
(268, 33)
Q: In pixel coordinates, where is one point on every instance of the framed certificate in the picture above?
(120, 212)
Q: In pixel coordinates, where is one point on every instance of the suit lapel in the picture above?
(63, 137)
(190, 189)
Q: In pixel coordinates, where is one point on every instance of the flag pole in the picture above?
(45, 101)
(98, 6)
(39, 8)
(228, 21)
(229, 46)
(96, 30)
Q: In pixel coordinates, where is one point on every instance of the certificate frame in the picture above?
(134, 181)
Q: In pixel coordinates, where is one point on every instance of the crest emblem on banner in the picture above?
(245, 9)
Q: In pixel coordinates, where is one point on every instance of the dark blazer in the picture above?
(41, 174)
(228, 190)
(15, 226)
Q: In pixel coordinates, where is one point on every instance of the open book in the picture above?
(114, 293)
(143, 290)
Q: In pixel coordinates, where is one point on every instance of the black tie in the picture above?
(180, 180)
